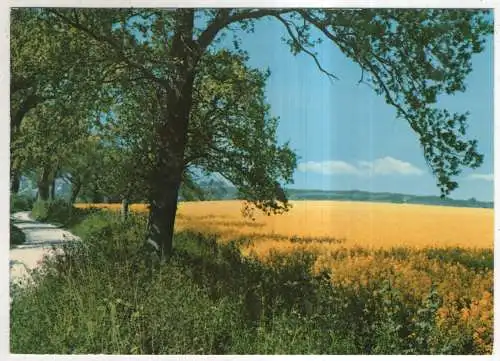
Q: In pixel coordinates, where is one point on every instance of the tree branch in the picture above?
(219, 22)
(223, 19)
(117, 49)
(302, 48)
(29, 103)
(364, 64)
(391, 100)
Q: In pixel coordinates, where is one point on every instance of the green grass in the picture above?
(110, 294)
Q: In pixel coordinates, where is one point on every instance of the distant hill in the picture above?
(228, 193)
(356, 195)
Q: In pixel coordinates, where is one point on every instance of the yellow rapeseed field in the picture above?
(369, 225)
(347, 224)
(358, 242)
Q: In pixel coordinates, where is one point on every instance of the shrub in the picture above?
(55, 211)
(20, 203)
(40, 210)
(94, 223)
(17, 236)
(60, 211)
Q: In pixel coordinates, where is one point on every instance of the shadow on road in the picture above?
(40, 235)
(43, 244)
(28, 226)
(40, 240)
(21, 221)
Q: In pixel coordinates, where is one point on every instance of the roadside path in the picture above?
(40, 237)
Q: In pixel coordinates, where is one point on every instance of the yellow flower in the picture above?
(465, 314)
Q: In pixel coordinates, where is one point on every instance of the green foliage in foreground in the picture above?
(60, 212)
(17, 237)
(20, 203)
(109, 294)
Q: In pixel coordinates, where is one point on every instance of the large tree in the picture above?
(231, 134)
(410, 57)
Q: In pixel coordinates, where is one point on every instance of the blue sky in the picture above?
(340, 130)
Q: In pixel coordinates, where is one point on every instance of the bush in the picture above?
(97, 221)
(60, 212)
(17, 236)
(40, 211)
(20, 203)
(56, 211)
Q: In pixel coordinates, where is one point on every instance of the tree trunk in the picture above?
(172, 136)
(124, 209)
(43, 192)
(17, 115)
(96, 196)
(44, 186)
(15, 181)
(53, 189)
(76, 186)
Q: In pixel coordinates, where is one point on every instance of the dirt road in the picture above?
(40, 238)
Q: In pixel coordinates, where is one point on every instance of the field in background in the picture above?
(347, 224)
(414, 247)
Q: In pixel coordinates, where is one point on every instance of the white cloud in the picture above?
(390, 165)
(328, 167)
(380, 166)
(479, 176)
